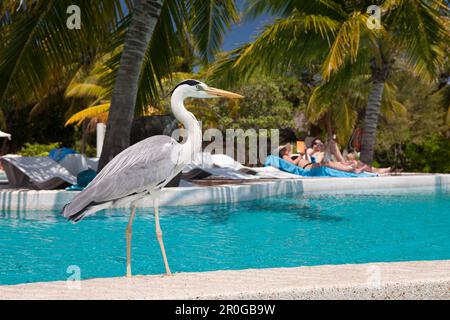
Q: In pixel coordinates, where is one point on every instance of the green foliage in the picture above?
(423, 117)
(376, 164)
(432, 155)
(37, 48)
(91, 151)
(38, 52)
(190, 30)
(268, 105)
(416, 140)
(38, 150)
(334, 35)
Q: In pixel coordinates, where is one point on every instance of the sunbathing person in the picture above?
(316, 153)
(350, 159)
(285, 154)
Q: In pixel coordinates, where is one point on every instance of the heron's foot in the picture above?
(168, 272)
(129, 274)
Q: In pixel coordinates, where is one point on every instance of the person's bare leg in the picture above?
(129, 235)
(367, 168)
(382, 170)
(339, 166)
(159, 234)
(336, 152)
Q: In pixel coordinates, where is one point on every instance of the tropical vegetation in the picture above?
(317, 68)
(355, 60)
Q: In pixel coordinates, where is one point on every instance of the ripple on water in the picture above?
(308, 229)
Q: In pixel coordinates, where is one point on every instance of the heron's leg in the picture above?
(159, 234)
(129, 234)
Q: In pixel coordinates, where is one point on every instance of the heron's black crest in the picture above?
(189, 82)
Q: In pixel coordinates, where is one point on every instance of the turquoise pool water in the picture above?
(284, 231)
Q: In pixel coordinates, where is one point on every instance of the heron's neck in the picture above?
(190, 123)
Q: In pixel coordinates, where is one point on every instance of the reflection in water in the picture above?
(315, 214)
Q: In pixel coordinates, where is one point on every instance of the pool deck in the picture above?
(29, 200)
(402, 280)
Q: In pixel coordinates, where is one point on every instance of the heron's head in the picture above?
(197, 89)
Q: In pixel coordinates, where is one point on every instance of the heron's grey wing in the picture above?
(138, 168)
(141, 167)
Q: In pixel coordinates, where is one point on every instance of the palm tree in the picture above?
(39, 54)
(206, 21)
(98, 101)
(176, 25)
(143, 22)
(37, 51)
(336, 35)
(339, 109)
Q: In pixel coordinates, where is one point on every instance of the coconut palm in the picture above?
(97, 98)
(337, 35)
(38, 51)
(144, 18)
(205, 20)
(339, 109)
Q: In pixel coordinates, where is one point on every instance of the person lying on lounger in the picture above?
(350, 159)
(316, 153)
(285, 154)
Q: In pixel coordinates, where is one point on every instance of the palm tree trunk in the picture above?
(371, 121)
(121, 113)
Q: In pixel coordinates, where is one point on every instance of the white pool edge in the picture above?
(396, 280)
(31, 200)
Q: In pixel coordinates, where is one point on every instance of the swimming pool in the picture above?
(287, 231)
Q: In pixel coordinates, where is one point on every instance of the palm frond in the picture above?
(255, 8)
(346, 44)
(347, 93)
(82, 90)
(167, 41)
(209, 21)
(391, 108)
(284, 8)
(419, 30)
(344, 118)
(224, 72)
(299, 39)
(444, 101)
(99, 111)
(183, 26)
(448, 116)
(38, 49)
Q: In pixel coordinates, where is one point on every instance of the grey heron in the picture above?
(145, 168)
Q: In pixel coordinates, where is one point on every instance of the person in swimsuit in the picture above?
(351, 160)
(285, 154)
(316, 153)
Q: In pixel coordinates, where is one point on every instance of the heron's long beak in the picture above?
(222, 93)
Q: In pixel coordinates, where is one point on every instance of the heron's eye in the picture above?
(199, 87)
